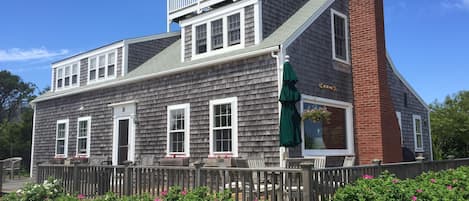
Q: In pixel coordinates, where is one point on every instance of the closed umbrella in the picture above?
(290, 119)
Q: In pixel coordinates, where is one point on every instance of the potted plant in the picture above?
(316, 114)
(79, 160)
(57, 160)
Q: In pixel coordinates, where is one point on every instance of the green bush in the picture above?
(49, 190)
(449, 185)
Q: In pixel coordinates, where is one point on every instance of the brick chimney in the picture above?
(377, 134)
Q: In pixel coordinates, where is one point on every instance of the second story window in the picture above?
(340, 46)
(234, 29)
(67, 76)
(102, 67)
(201, 38)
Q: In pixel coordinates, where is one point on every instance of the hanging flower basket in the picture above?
(317, 114)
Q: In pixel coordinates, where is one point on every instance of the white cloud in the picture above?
(458, 4)
(16, 54)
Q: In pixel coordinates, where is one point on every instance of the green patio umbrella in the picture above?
(290, 119)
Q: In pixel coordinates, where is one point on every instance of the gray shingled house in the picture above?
(211, 88)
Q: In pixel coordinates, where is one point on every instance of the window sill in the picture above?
(346, 62)
(419, 150)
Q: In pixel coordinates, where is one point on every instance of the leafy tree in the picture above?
(13, 94)
(450, 126)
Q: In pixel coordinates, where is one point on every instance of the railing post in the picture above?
(306, 173)
(76, 177)
(127, 178)
(377, 162)
(198, 173)
(420, 160)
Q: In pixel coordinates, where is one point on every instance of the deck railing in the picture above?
(174, 5)
(244, 183)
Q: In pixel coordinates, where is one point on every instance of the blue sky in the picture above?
(428, 39)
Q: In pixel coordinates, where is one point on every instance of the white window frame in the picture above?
(226, 47)
(186, 108)
(106, 67)
(234, 127)
(70, 65)
(349, 127)
(399, 121)
(65, 138)
(347, 43)
(414, 118)
(87, 137)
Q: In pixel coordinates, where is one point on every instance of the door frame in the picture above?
(128, 115)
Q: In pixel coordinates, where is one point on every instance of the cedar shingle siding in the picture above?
(253, 81)
(139, 53)
(275, 13)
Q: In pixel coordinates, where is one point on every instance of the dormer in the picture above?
(211, 27)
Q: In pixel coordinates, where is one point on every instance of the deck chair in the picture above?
(12, 165)
(319, 163)
(349, 161)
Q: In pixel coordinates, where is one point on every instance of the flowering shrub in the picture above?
(49, 190)
(445, 185)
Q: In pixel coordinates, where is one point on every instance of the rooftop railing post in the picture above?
(198, 173)
(306, 173)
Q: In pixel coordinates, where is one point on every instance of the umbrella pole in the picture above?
(283, 157)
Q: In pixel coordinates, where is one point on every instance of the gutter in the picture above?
(202, 65)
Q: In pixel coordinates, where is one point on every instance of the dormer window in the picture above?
(102, 67)
(67, 76)
(223, 33)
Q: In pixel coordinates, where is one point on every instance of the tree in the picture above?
(13, 94)
(450, 126)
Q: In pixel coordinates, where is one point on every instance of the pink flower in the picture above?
(164, 193)
(414, 198)
(157, 199)
(419, 190)
(449, 187)
(395, 181)
(81, 196)
(433, 180)
(183, 192)
(367, 176)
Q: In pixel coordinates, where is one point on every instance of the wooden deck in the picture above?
(13, 185)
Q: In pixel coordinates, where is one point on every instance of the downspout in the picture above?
(280, 57)
(32, 141)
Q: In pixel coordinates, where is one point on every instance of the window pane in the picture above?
(234, 29)
(83, 129)
(329, 134)
(201, 39)
(419, 141)
(177, 119)
(222, 140)
(59, 83)
(60, 73)
(67, 71)
(222, 116)
(101, 72)
(61, 131)
(67, 81)
(217, 34)
(75, 69)
(110, 70)
(339, 37)
(176, 142)
(60, 146)
(82, 144)
(74, 79)
(111, 58)
(418, 126)
(102, 60)
(92, 74)
(93, 63)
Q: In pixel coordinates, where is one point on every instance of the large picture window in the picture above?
(61, 140)
(83, 136)
(339, 25)
(223, 127)
(178, 130)
(331, 136)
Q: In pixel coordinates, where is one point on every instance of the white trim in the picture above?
(347, 45)
(122, 103)
(65, 138)
(226, 47)
(308, 23)
(106, 67)
(234, 126)
(129, 114)
(125, 62)
(349, 127)
(151, 37)
(217, 13)
(183, 44)
(418, 117)
(258, 32)
(399, 120)
(89, 54)
(403, 80)
(186, 107)
(201, 65)
(32, 143)
(430, 135)
(88, 136)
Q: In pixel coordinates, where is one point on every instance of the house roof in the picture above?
(160, 64)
